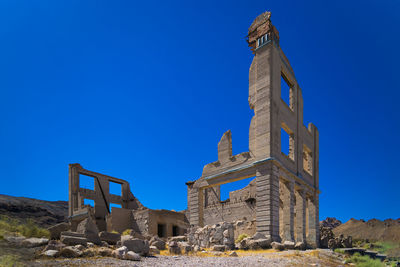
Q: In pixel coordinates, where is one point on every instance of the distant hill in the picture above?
(373, 230)
(44, 213)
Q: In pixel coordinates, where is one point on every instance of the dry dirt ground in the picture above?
(246, 258)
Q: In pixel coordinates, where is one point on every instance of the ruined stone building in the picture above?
(130, 214)
(282, 200)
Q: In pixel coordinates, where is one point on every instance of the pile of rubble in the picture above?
(220, 237)
(328, 239)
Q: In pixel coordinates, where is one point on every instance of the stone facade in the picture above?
(283, 198)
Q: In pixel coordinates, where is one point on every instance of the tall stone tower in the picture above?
(283, 154)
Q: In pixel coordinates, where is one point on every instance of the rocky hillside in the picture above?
(330, 222)
(373, 230)
(44, 213)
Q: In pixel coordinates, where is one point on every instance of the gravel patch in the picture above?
(286, 258)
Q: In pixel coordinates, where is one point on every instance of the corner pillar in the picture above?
(313, 224)
(267, 201)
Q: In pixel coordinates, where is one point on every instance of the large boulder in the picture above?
(55, 230)
(110, 238)
(136, 245)
(89, 229)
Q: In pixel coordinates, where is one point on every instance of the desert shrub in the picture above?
(338, 250)
(28, 229)
(364, 261)
(241, 237)
(127, 232)
(10, 261)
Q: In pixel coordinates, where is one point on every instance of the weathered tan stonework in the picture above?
(283, 198)
(132, 214)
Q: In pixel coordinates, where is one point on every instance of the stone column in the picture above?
(267, 204)
(300, 215)
(195, 205)
(288, 210)
(313, 224)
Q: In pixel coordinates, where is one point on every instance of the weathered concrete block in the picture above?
(90, 230)
(55, 230)
(73, 240)
(110, 238)
(137, 245)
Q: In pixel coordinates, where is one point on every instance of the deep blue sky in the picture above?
(144, 90)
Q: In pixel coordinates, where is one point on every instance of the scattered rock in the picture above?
(233, 254)
(105, 252)
(277, 246)
(130, 255)
(73, 240)
(70, 252)
(89, 244)
(218, 248)
(258, 236)
(174, 248)
(288, 244)
(34, 242)
(54, 245)
(55, 230)
(264, 243)
(104, 244)
(157, 242)
(185, 247)
(80, 247)
(119, 253)
(179, 238)
(154, 250)
(50, 253)
(15, 240)
(90, 252)
(300, 246)
(217, 253)
(110, 238)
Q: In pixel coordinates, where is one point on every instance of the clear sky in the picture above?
(144, 90)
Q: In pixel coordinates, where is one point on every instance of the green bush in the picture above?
(241, 237)
(27, 229)
(364, 261)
